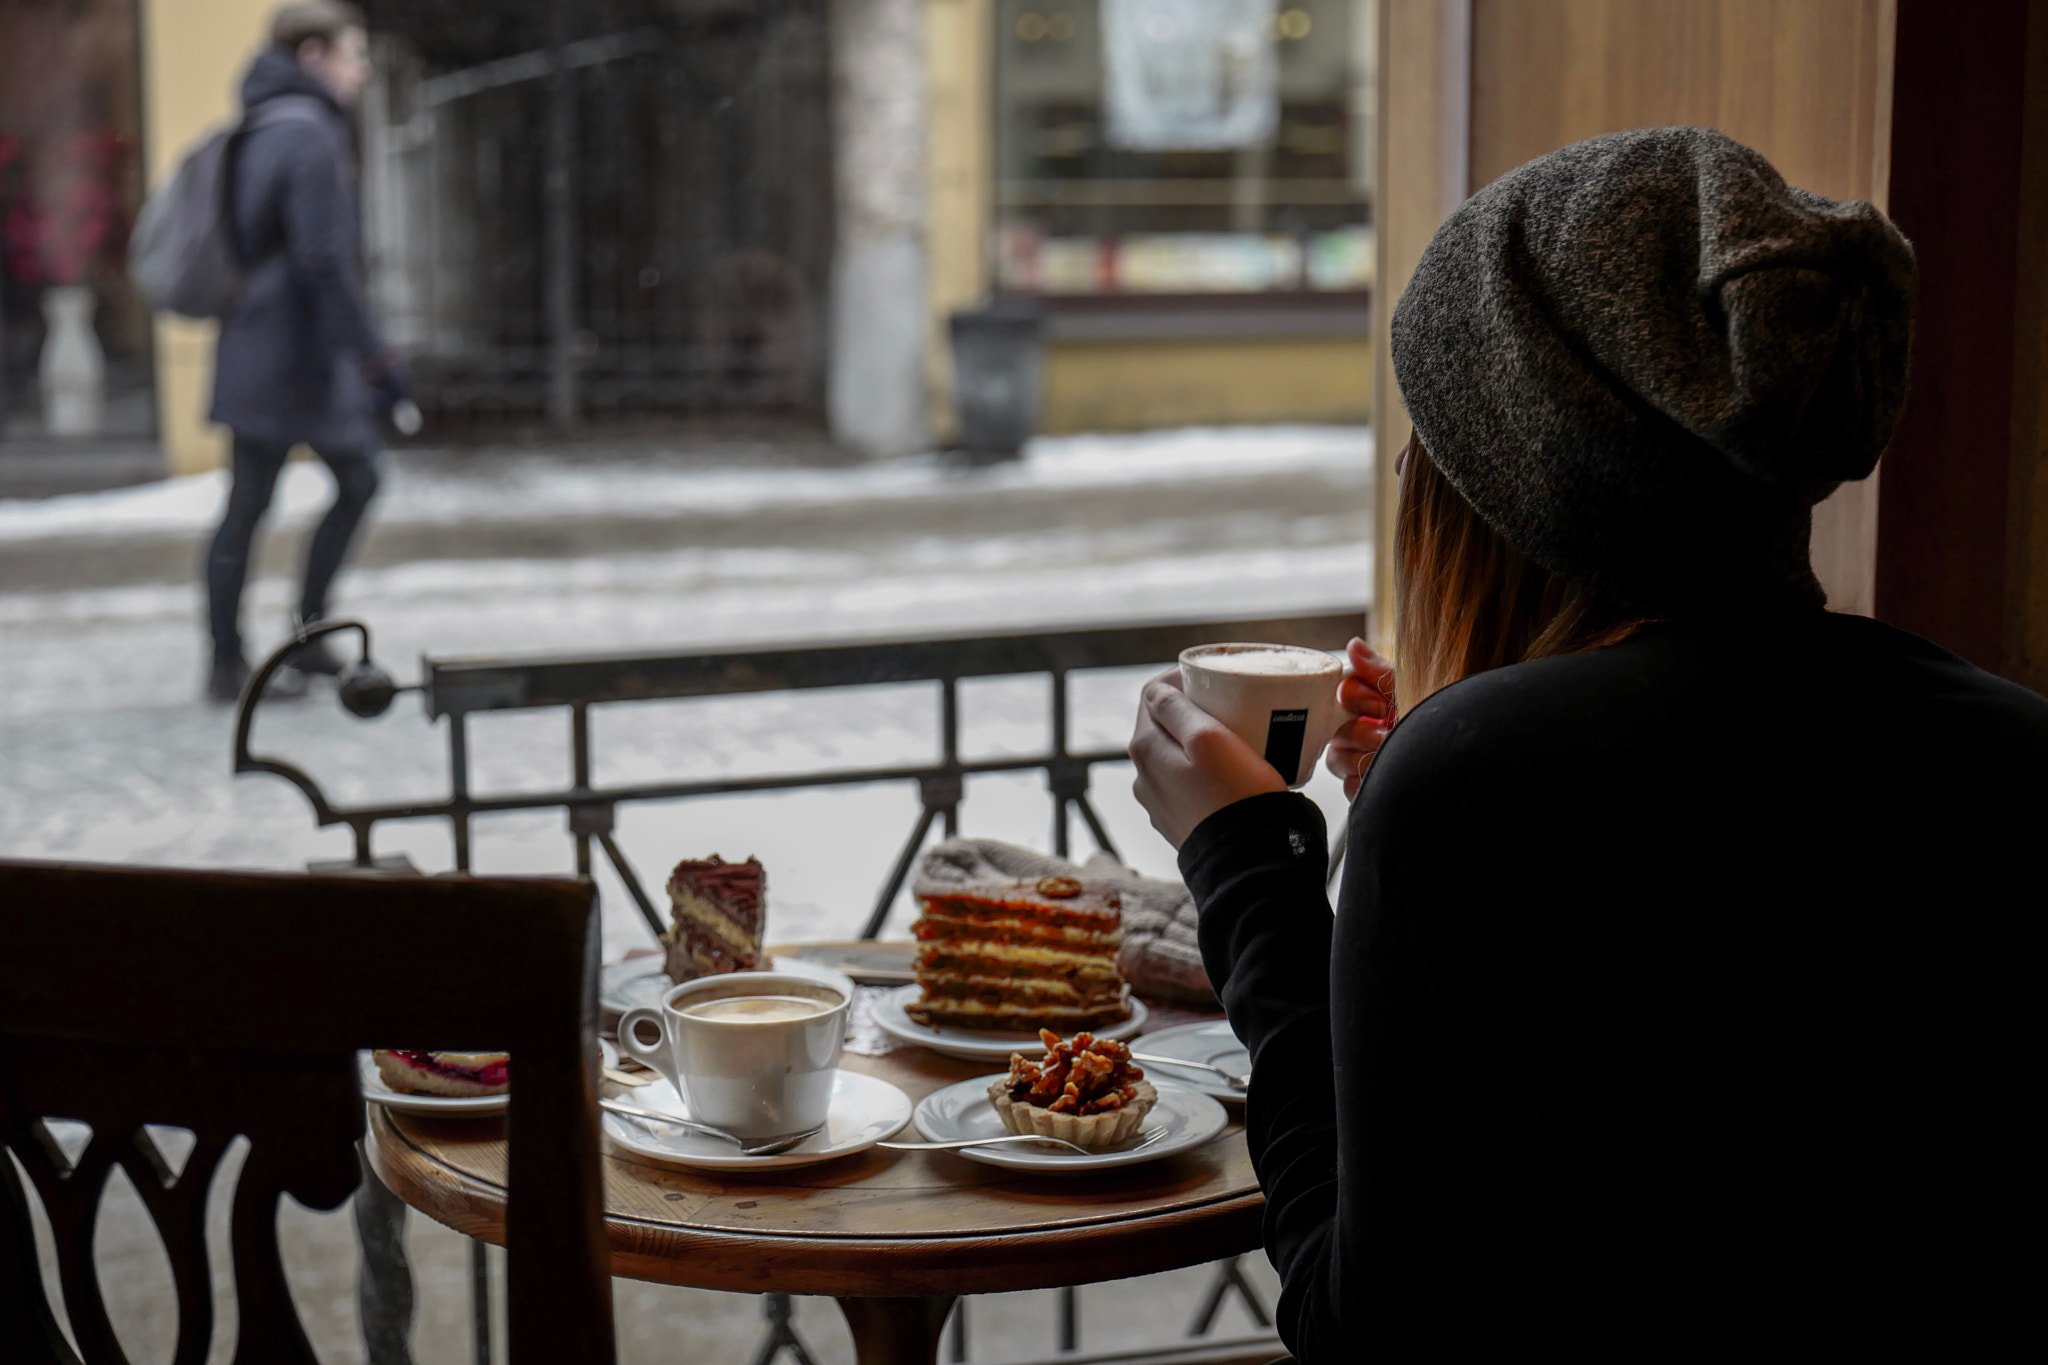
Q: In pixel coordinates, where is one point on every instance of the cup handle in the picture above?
(656, 1056)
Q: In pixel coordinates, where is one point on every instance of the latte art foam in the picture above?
(1268, 662)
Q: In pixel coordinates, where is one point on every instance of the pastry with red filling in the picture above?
(1085, 1091)
(456, 1075)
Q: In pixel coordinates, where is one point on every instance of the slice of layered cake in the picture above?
(720, 913)
(1020, 956)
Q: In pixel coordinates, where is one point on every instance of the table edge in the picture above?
(834, 1264)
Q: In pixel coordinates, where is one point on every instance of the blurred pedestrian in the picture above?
(301, 358)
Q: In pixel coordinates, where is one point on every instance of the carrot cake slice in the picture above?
(1020, 956)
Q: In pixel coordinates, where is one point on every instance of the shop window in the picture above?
(74, 333)
(1183, 146)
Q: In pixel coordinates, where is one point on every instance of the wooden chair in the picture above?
(231, 1003)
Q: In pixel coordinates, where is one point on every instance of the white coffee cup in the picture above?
(1280, 699)
(755, 1072)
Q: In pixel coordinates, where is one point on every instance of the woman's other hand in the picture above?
(1368, 694)
(1190, 765)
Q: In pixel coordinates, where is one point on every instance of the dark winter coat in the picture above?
(290, 363)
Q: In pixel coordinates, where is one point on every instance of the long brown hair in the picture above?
(1468, 601)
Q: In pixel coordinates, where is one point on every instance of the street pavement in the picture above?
(107, 752)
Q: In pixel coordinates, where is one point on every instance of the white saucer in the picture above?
(979, 1045)
(638, 982)
(1212, 1042)
(864, 1111)
(1189, 1117)
(447, 1106)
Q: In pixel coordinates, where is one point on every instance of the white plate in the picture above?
(1189, 1117)
(864, 1111)
(979, 1045)
(447, 1106)
(639, 982)
(1213, 1043)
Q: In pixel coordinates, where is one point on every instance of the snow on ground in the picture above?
(640, 489)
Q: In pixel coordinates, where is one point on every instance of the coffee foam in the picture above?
(757, 1009)
(1267, 661)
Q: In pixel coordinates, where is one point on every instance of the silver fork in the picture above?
(1230, 1078)
(1155, 1135)
(747, 1146)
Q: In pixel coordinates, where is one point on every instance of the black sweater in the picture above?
(1670, 1011)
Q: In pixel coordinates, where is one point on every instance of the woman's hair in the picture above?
(1469, 601)
(313, 20)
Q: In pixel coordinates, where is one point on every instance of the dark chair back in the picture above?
(234, 1003)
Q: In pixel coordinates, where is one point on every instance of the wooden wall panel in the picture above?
(1799, 80)
(2026, 566)
(1418, 80)
(1805, 82)
(1958, 140)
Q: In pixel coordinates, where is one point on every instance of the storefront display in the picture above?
(1191, 147)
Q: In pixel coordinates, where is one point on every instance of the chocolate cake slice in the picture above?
(720, 912)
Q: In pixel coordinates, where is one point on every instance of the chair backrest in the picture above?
(235, 1003)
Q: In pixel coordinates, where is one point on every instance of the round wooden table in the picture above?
(894, 1236)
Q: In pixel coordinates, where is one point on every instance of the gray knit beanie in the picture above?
(1645, 357)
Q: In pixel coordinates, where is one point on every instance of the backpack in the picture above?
(182, 253)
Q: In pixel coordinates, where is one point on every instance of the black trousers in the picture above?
(256, 468)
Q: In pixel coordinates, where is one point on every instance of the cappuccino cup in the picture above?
(1280, 699)
(753, 1053)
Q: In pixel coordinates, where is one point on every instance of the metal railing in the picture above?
(456, 689)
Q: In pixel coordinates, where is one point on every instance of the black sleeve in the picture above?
(1383, 1120)
(319, 241)
(1257, 871)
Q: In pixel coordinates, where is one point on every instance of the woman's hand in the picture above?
(1368, 694)
(1190, 765)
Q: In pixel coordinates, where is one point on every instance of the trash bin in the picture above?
(998, 362)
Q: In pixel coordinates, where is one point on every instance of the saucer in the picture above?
(444, 1106)
(978, 1045)
(1212, 1042)
(1189, 1117)
(864, 1111)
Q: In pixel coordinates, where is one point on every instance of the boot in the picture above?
(224, 686)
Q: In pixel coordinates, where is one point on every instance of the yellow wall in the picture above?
(193, 55)
(959, 177)
(1129, 385)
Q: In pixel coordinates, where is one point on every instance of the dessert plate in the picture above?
(638, 982)
(444, 1106)
(1188, 1117)
(978, 1045)
(864, 1111)
(1212, 1042)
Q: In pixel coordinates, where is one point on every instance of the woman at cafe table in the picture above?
(1670, 1007)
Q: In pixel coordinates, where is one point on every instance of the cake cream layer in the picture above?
(1020, 1016)
(1004, 985)
(1005, 928)
(943, 953)
(1075, 914)
(693, 912)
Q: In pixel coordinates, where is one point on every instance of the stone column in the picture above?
(874, 395)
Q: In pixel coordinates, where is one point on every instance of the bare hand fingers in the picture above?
(1371, 668)
(1361, 699)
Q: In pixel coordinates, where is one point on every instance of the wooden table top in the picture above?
(944, 1224)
